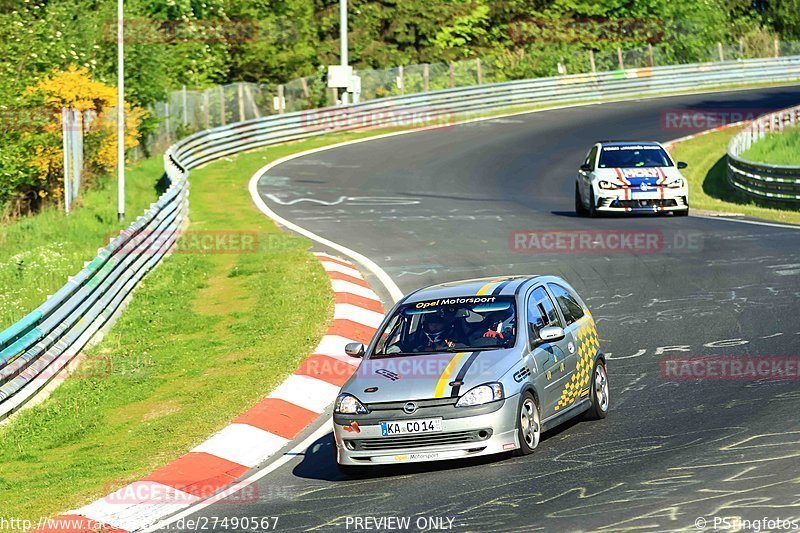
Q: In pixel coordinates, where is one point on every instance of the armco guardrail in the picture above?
(762, 180)
(37, 348)
(34, 349)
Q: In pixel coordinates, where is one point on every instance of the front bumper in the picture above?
(650, 200)
(465, 436)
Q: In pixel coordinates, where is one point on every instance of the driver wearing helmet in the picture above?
(437, 333)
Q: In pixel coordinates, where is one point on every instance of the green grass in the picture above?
(776, 149)
(708, 185)
(204, 338)
(38, 253)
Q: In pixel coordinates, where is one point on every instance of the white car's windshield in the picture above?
(466, 323)
(633, 156)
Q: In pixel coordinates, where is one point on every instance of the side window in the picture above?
(541, 311)
(591, 157)
(570, 307)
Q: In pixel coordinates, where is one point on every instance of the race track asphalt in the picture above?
(443, 205)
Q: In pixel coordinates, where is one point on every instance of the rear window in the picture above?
(634, 156)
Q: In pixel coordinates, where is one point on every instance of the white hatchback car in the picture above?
(630, 177)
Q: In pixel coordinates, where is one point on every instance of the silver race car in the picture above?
(451, 374)
(630, 177)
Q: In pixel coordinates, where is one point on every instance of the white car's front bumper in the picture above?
(633, 199)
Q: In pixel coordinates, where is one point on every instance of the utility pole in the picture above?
(342, 39)
(120, 113)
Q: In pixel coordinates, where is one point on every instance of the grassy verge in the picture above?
(708, 184)
(204, 338)
(776, 149)
(37, 253)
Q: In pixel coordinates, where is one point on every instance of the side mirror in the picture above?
(586, 167)
(548, 334)
(682, 164)
(354, 349)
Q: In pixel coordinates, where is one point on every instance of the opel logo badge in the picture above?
(410, 408)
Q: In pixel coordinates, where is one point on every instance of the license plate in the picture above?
(426, 425)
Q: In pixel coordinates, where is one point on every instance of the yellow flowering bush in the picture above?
(71, 88)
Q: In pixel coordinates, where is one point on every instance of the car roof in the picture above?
(628, 143)
(497, 286)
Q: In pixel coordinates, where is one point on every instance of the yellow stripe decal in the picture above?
(489, 287)
(441, 385)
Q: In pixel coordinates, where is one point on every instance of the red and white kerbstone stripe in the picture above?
(255, 435)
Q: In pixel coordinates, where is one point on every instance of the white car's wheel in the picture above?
(580, 210)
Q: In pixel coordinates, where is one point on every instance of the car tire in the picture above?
(592, 205)
(580, 210)
(599, 398)
(529, 425)
(682, 213)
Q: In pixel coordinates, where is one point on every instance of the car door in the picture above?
(549, 359)
(585, 176)
(571, 312)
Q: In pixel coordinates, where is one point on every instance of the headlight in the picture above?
(675, 183)
(349, 405)
(608, 185)
(481, 394)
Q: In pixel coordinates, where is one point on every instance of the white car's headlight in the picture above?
(481, 394)
(347, 404)
(608, 185)
(676, 183)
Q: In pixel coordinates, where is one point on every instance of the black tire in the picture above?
(682, 213)
(580, 210)
(599, 408)
(592, 205)
(526, 447)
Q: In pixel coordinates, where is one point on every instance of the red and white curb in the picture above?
(255, 435)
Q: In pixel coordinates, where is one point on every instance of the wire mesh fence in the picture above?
(187, 111)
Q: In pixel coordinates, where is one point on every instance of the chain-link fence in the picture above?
(188, 111)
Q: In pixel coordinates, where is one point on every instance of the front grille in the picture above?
(655, 202)
(421, 404)
(421, 440)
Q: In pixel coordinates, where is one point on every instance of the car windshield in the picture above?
(634, 156)
(468, 323)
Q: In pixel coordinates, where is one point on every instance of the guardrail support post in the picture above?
(719, 49)
(777, 46)
(650, 54)
(619, 58)
(426, 78)
(281, 101)
(480, 73)
(452, 75)
(591, 61)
